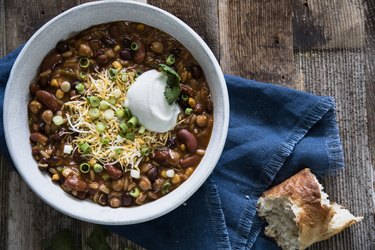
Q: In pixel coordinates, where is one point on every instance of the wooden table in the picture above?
(320, 46)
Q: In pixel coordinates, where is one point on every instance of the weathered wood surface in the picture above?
(324, 47)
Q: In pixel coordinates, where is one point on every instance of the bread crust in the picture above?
(314, 220)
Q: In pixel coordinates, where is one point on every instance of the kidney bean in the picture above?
(187, 90)
(48, 100)
(84, 50)
(113, 171)
(74, 183)
(51, 62)
(35, 151)
(140, 54)
(126, 54)
(198, 108)
(190, 161)
(127, 200)
(196, 71)
(62, 47)
(35, 106)
(34, 87)
(145, 167)
(160, 155)
(145, 183)
(39, 138)
(102, 60)
(152, 173)
(188, 139)
(107, 41)
(174, 158)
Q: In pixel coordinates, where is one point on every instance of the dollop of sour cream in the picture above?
(146, 101)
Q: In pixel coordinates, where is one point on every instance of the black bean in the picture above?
(126, 42)
(62, 47)
(54, 161)
(107, 41)
(196, 71)
(41, 126)
(126, 54)
(171, 143)
(58, 136)
(152, 174)
(127, 200)
(176, 52)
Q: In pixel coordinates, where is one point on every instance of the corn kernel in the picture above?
(192, 102)
(117, 65)
(117, 48)
(59, 94)
(189, 171)
(176, 179)
(140, 141)
(140, 27)
(55, 177)
(182, 147)
(92, 162)
(164, 173)
(54, 83)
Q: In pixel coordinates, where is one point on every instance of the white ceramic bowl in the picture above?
(25, 68)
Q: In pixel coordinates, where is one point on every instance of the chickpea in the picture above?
(157, 47)
(85, 50)
(118, 184)
(35, 106)
(47, 116)
(201, 121)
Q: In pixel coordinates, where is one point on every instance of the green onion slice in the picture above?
(134, 46)
(112, 100)
(113, 73)
(130, 136)
(123, 126)
(84, 62)
(104, 104)
(84, 147)
(97, 168)
(188, 111)
(119, 113)
(132, 123)
(100, 127)
(170, 60)
(84, 168)
(184, 97)
(80, 87)
(94, 113)
(134, 192)
(94, 101)
(105, 141)
(165, 188)
(141, 130)
(145, 151)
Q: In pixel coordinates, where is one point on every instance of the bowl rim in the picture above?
(152, 213)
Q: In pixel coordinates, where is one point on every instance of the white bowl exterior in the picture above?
(16, 102)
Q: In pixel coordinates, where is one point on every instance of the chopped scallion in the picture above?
(130, 136)
(104, 104)
(145, 151)
(134, 192)
(188, 111)
(123, 126)
(184, 97)
(128, 113)
(105, 141)
(165, 188)
(94, 101)
(84, 168)
(132, 123)
(94, 113)
(112, 73)
(109, 114)
(82, 75)
(134, 46)
(97, 168)
(117, 93)
(112, 100)
(170, 60)
(58, 120)
(118, 151)
(120, 113)
(100, 127)
(84, 147)
(80, 87)
(105, 176)
(141, 129)
(84, 62)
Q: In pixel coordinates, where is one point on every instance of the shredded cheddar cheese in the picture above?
(117, 149)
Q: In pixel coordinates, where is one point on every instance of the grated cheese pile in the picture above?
(118, 149)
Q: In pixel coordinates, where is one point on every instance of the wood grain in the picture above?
(256, 39)
(332, 61)
(201, 16)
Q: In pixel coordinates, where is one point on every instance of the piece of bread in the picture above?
(299, 213)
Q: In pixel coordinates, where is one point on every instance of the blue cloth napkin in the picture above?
(273, 133)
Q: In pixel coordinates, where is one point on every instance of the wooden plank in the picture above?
(331, 61)
(201, 16)
(256, 40)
